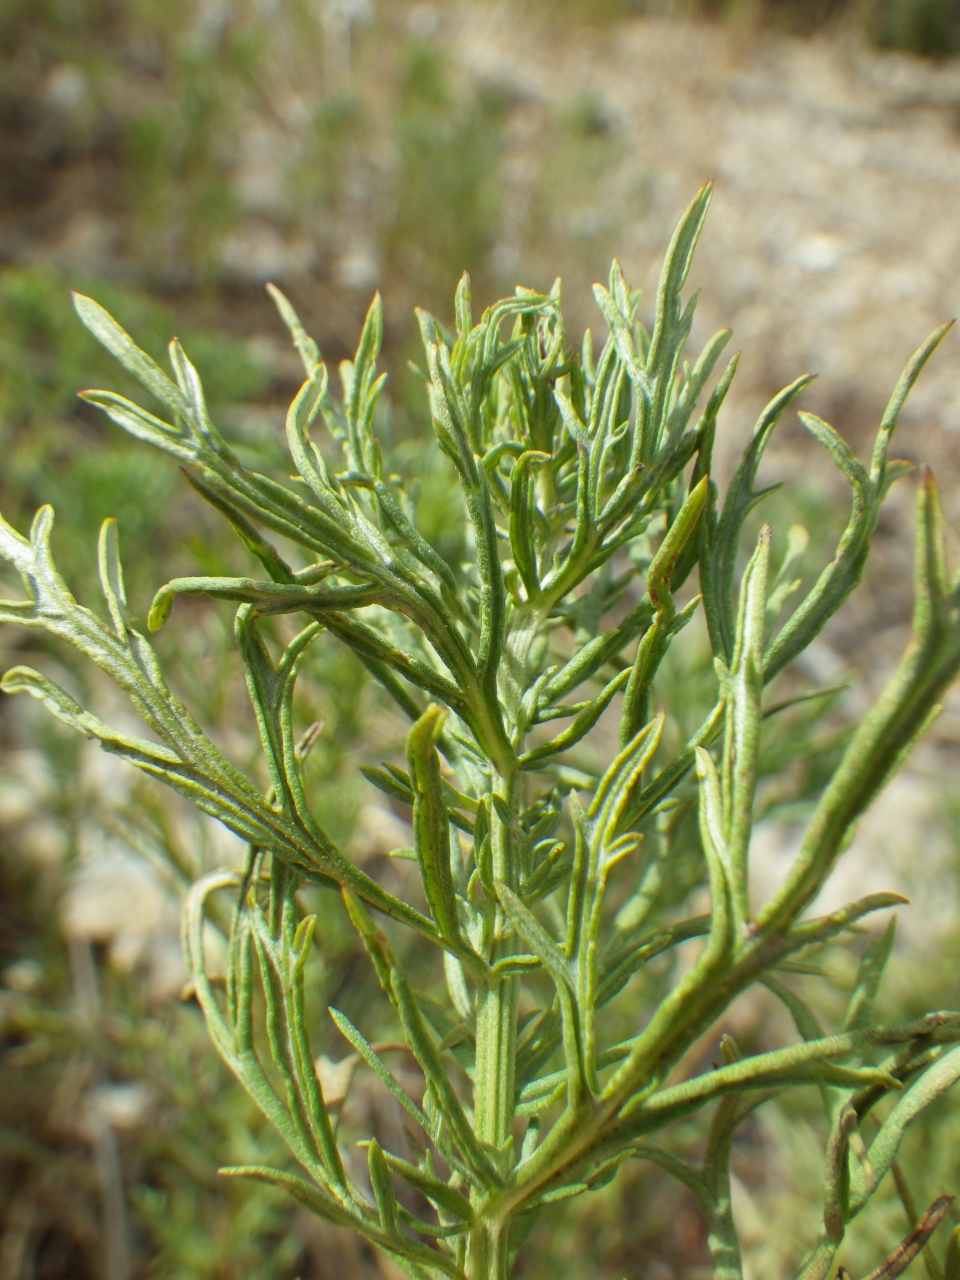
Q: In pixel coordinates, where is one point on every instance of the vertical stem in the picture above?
(497, 1002)
(487, 1250)
(495, 1076)
(496, 1052)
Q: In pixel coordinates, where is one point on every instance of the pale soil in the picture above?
(833, 242)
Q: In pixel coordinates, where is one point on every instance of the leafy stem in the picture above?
(550, 878)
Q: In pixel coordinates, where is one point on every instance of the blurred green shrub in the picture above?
(447, 200)
(930, 28)
(52, 446)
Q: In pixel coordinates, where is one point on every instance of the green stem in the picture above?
(496, 1052)
(487, 1250)
(497, 1001)
(495, 1078)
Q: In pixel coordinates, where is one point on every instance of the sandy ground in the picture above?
(833, 243)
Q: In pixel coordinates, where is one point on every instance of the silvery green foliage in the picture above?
(585, 482)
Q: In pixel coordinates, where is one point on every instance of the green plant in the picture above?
(51, 1201)
(446, 199)
(582, 480)
(928, 27)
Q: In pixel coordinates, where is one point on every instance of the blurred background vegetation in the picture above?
(169, 157)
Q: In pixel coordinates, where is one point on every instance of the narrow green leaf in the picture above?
(305, 345)
(536, 937)
(836, 1189)
(843, 573)
(889, 731)
(66, 709)
(742, 688)
(905, 383)
(522, 523)
(595, 653)
(442, 1195)
(839, 450)
(711, 817)
(268, 597)
(414, 540)
(545, 876)
(805, 1020)
(141, 424)
(869, 975)
(111, 577)
(378, 1066)
(382, 1188)
(310, 464)
(564, 978)
(610, 800)
(656, 641)
(431, 822)
(617, 969)
(581, 725)
(387, 783)
(417, 1035)
(720, 544)
(118, 342)
(676, 268)
(308, 1194)
(662, 566)
(934, 1082)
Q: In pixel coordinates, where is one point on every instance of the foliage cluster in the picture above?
(157, 107)
(137, 74)
(552, 886)
(61, 1048)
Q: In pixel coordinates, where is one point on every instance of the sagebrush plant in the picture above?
(550, 888)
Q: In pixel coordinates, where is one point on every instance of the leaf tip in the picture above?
(160, 609)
